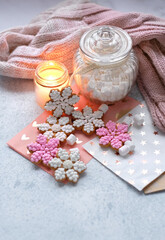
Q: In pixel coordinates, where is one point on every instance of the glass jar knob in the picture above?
(106, 40)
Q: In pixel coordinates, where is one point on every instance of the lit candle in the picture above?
(49, 75)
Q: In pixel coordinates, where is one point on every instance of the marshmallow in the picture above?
(103, 108)
(91, 85)
(138, 120)
(124, 150)
(71, 139)
(127, 120)
(99, 84)
(126, 88)
(103, 97)
(105, 91)
(96, 93)
(116, 92)
(130, 145)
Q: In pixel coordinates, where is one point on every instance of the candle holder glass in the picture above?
(49, 75)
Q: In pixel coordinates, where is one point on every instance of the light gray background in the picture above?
(32, 204)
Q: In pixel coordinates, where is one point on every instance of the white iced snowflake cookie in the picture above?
(87, 120)
(49, 134)
(63, 154)
(74, 154)
(51, 120)
(55, 163)
(61, 101)
(67, 128)
(43, 127)
(59, 174)
(79, 166)
(56, 128)
(67, 165)
(88, 128)
(59, 128)
(63, 120)
(72, 175)
(98, 123)
(61, 136)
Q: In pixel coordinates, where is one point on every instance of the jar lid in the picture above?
(105, 44)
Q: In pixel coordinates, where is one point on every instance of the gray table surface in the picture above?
(32, 204)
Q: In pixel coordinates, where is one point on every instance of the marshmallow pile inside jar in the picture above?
(105, 65)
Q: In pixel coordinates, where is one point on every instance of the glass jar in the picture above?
(105, 66)
(49, 75)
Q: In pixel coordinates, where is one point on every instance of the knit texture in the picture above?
(55, 34)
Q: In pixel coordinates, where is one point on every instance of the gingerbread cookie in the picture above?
(113, 135)
(87, 120)
(43, 150)
(59, 128)
(67, 165)
(61, 101)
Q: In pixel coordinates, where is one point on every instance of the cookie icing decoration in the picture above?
(87, 120)
(67, 128)
(49, 134)
(64, 120)
(72, 175)
(43, 150)
(67, 165)
(61, 136)
(55, 163)
(44, 127)
(61, 102)
(51, 120)
(56, 128)
(74, 154)
(60, 174)
(59, 128)
(113, 135)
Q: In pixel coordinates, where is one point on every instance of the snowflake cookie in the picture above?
(61, 101)
(67, 165)
(114, 135)
(56, 127)
(87, 120)
(43, 150)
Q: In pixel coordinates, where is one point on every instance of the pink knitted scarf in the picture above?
(55, 34)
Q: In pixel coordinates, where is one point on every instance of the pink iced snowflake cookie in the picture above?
(67, 165)
(87, 120)
(61, 101)
(113, 135)
(59, 128)
(43, 150)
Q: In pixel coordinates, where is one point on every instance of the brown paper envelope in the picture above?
(156, 186)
